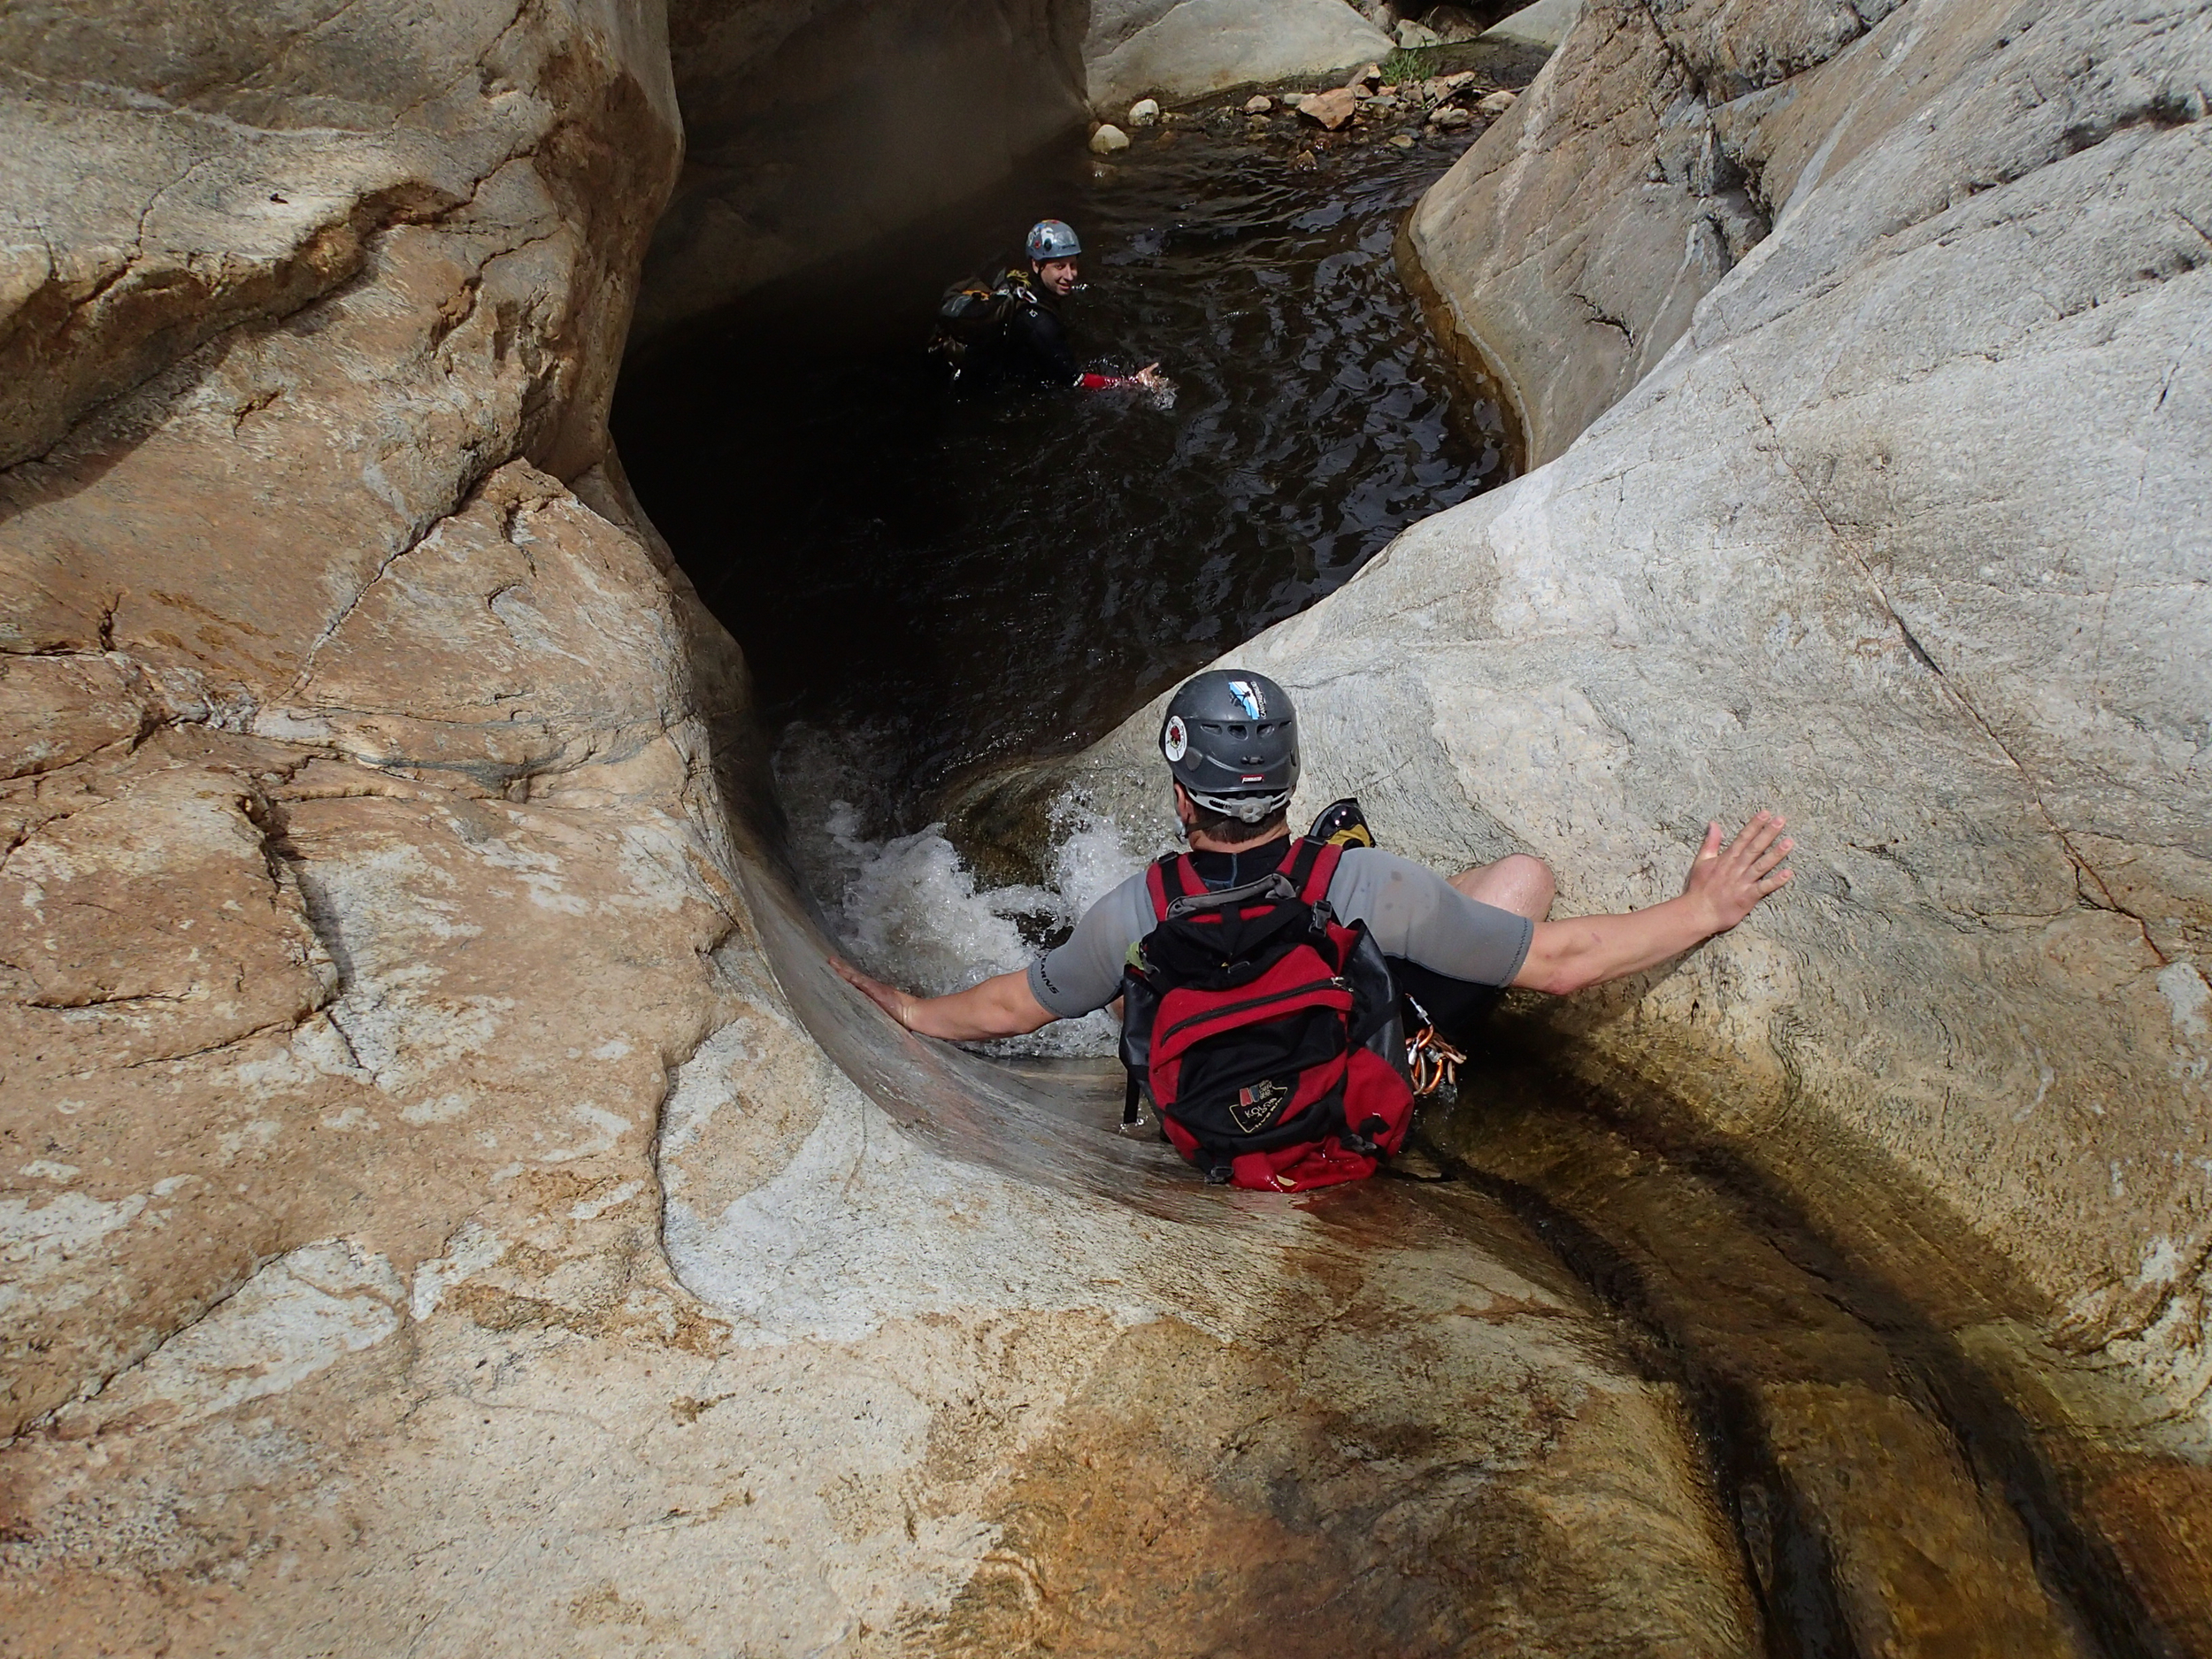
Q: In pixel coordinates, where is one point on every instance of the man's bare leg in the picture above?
(1517, 882)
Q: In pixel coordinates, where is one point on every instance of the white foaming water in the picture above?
(913, 913)
(908, 910)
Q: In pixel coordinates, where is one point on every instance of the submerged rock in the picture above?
(1496, 104)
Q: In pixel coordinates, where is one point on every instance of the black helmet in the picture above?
(1231, 738)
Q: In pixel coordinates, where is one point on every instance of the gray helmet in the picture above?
(1050, 239)
(1231, 739)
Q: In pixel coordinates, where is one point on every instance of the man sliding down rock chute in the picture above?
(1263, 975)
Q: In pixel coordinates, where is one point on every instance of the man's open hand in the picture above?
(1002, 1006)
(894, 1002)
(1729, 880)
(1148, 377)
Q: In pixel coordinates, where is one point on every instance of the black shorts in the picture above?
(1458, 1006)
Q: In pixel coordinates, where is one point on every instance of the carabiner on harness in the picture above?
(1431, 1060)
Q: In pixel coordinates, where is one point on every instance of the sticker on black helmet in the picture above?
(1175, 741)
(1248, 693)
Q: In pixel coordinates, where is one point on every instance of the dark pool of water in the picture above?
(971, 581)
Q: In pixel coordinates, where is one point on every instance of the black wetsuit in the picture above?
(1030, 348)
(1035, 342)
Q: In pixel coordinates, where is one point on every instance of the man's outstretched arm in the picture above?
(1724, 883)
(1147, 377)
(1003, 1006)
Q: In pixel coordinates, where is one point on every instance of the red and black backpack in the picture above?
(1258, 1025)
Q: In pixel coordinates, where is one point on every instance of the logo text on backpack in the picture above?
(1257, 1105)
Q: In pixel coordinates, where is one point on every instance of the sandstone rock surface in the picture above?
(1895, 521)
(1545, 24)
(1582, 290)
(1181, 49)
(428, 1226)
(450, 1208)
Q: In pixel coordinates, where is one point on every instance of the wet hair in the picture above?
(1235, 831)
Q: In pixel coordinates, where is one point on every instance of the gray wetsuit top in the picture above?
(1414, 913)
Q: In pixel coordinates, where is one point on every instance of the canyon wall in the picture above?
(427, 1225)
(1872, 352)
(815, 126)
(1182, 48)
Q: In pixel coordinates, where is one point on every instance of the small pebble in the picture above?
(1108, 139)
(1260, 104)
(1144, 112)
(1497, 104)
(1404, 141)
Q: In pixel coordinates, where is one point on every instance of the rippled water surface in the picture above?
(960, 581)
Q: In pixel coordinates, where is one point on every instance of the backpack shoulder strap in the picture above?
(1168, 880)
(1312, 867)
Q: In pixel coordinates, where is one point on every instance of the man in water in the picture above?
(1231, 741)
(1032, 342)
